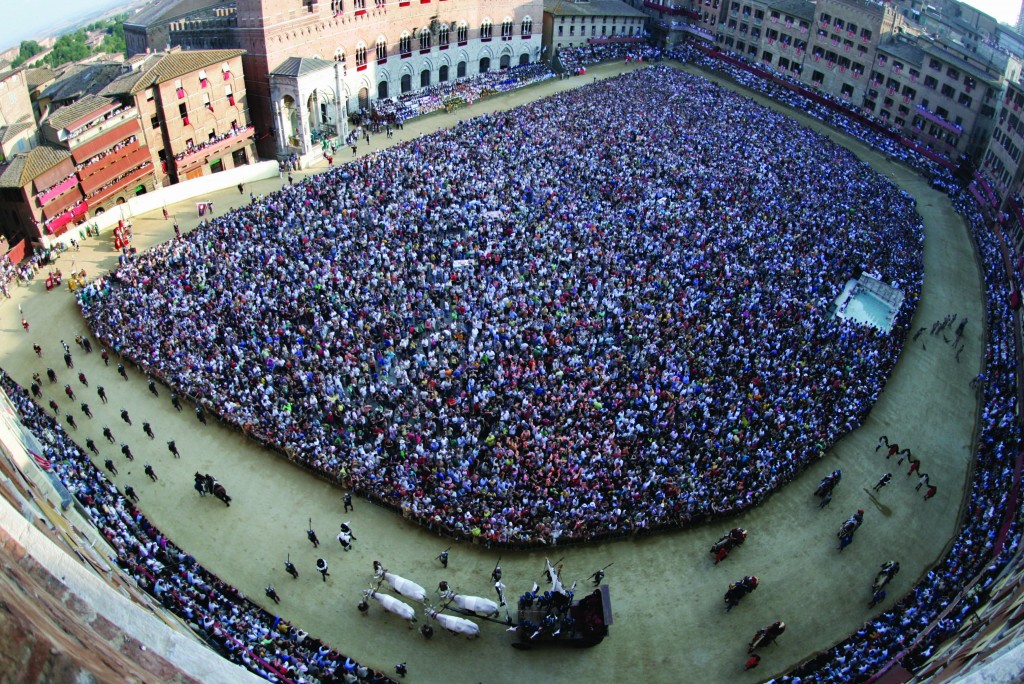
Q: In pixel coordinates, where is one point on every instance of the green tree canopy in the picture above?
(28, 49)
(70, 47)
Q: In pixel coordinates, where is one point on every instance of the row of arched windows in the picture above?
(425, 38)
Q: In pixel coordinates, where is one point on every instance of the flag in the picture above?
(41, 461)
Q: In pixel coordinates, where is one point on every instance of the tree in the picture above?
(28, 49)
(70, 47)
(113, 42)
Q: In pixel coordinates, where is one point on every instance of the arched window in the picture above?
(442, 36)
(339, 55)
(425, 39)
(337, 7)
(405, 43)
(382, 48)
(462, 33)
(527, 27)
(485, 29)
(361, 55)
(506, 28)
(379, 3)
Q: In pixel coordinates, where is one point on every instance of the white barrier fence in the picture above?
(157, 199)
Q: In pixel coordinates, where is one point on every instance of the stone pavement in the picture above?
(666, 594)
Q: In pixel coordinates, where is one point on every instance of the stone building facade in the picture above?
(384, 47)
(193, 109)
(571, 24)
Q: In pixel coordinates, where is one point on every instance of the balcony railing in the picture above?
(671, 9)
(935, 118)
(616, 39)
(112, 168)
(62, 203)
(56, 226)
(103, 194)
(57, 190)
(200, 154)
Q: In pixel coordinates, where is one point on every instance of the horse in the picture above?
(828, 483)
(721, 548)
(403, 586)
(850, 526)
(766, 636)
(221, 493)
(888, 571)
(737, 590)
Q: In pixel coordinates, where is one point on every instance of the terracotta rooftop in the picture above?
(7, 133)
(82, 79)
(70, 114)
(163, 67)
(24, 167)
(300, 66)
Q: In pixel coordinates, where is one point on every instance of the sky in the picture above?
(24, 19)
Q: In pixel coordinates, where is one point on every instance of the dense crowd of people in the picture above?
(8, 272)
(575, 59)
(838, 113)
(235, 627)
(468, 90)
(601, 313)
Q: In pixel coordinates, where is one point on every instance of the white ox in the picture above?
(403, 586)
(393, 605)
(456, 625)
(472, 604)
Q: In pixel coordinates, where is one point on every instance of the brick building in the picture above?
(1002, 162)
(17, 123)
(212, 29)
(93, 157)
(192, 105)
(385, 48)
(939, 93)
(933, 70)
(571, 24)
(148, 30)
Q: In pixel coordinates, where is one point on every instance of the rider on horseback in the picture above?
(847, 529)
(721, 548)
(766, 636)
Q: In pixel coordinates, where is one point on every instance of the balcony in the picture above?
(57, 190)
(61, 204)
(192, 158)
(132, 178)
(936, 119)
(58, 225)
(671, 9)
(106, 140)
(126, 159)
(615, 39)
